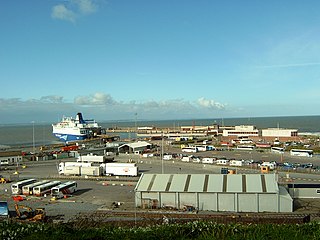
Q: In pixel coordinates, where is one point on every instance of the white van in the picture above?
(186, 159)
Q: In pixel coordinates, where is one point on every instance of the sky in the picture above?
(158, 60)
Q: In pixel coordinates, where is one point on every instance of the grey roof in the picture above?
(10, 154)
(230, 183)
(136, 144)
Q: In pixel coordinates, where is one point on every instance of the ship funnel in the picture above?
(79, 118)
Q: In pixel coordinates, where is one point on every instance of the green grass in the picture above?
(192, 230)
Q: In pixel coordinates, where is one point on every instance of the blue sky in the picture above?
(122, 59)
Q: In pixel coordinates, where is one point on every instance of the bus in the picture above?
(44, 188)
(245, 147)
(64, 188)
(189, 149)
(28, 189)
(16, 188)
(277, 150)
(301, 152)
(4, 162)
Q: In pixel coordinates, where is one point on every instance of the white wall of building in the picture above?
(279, 132)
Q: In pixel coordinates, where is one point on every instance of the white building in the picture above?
(241, 131)
(279, 132)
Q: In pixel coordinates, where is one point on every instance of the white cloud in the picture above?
(95, 99)
(86, 6)
(52, 99)
(103, 106)
(208, 103)
(61, 12)
(73, 9)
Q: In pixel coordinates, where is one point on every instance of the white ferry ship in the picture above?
(74, 129)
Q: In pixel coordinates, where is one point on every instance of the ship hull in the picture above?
(70, 137)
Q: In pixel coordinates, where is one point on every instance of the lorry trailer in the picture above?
(120, 169)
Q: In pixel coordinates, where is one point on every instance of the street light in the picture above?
(162, 168)
(33, 144)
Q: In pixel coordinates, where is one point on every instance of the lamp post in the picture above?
(162, 168)
(33, 144)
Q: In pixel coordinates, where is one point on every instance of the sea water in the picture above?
(41, 133)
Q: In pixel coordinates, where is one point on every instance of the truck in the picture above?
(67, 168)
(120, 169)
(82, 170)
(70, 148)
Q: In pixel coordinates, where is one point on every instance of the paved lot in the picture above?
(101, 193)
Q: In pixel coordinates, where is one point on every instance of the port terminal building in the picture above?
(213, 192)
(265, 135)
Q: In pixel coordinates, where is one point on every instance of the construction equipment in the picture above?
(27, 213)
(4, 180)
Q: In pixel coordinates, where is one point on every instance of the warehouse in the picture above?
(135, 147)
(213, 192)
(304, 190)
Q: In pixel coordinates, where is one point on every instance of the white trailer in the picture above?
(121, 169)
(72, 170)
(91, 159)
(64, 165)
(92, 171)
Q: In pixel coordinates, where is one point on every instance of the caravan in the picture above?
(236, 163)
(222, 161)
(208, 160)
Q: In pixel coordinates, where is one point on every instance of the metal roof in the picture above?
(221, 183)
(10, 154)
(136, 144)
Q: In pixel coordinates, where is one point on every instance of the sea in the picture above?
(37, 134)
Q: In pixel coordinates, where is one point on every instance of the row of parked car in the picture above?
(239, 163)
